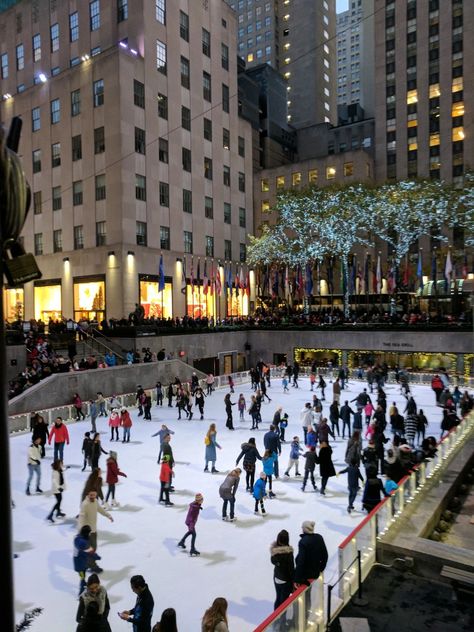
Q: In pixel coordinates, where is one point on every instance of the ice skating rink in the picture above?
(235, 558)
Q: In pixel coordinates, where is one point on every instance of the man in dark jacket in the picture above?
(140, 615)
(271, 441)
(311, 559)
(345, 413)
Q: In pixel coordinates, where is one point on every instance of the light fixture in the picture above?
(178, 259)
(131, 253)
(134, 52)
(7, 96)
(42, 77)
(123, 44)
(111, 253)
(85, 57)
(65, 259)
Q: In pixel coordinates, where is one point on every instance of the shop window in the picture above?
(13, 304)
(47, 302)
(89, 299)
(155, 303)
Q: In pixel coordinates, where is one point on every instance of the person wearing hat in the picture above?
(311, 559)
(283, 427)
(227, 492)
(193, 514)
(166, 474)
(83, 553)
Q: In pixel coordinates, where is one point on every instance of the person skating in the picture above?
(307, 418)
(354, 448)
(282, 558)
(164, 430)
(93, 484)
(230, 381)
(113, 472)
(199, 398)
(84, 552)
(254, 412)
(88, 516)
(188, 404)
(34, 465)
(324, 431)
(311, 458)
(334, 418)
(283, 427)
(114, 424)
(96, 451)
(322, 385)
(211, 444)
(87, 450)
(40, 431)
(336, 391)
(271, 442)
(268, 462)
(159, 393)
(58, 485)
(353, 478)
(259, 493)
(250, 454)
(94, 592)
(167, 622)
(77, 403)
(209, 383)
(215, 617)
(166, 475)
(169, 395)
(140, 615)
(139, 399)
(311, 559)
(101, 403)
(295, 451)
(191, 519)
(227, 492)
(241, 405)
(61, 436)
(326, 467)
(372, 490)
(194, 383)
(147, 407)
(228, 410)
(93, 412)
(126, 423)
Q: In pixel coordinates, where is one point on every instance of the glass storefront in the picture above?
(409, 361)
(48, 301)
(13, 304)
(156, 304)
(200, 305)
(237, 305)
(89, 298)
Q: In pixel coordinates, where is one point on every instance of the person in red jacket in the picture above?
(113, 472)
(166, 474)
(437, 386)
(126, 423)
(61, 436)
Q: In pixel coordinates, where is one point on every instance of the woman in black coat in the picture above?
(326, 467)
(228, 410)
(40, 431)
(250, 454)
(282, 558)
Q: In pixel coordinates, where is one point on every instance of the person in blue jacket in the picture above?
(83, 552)
(268, 462)
(259, 493)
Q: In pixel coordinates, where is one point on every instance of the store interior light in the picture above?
(42, 77)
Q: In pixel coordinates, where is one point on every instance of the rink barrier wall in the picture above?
(363, 539)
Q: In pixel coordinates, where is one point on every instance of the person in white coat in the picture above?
(88, 516)
(34, 465)
(58, 485)
(307, 419)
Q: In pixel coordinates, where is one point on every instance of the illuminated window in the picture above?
(264, 185)
(458, 84)
(14, 303)
(47, 302)
(89, 298)
(434, 90)
(412, 145)
(296, 179)
(434, 140)
(412, 96)
(458, 109)
(265, 206)
(348, 169)
(312, 176)
(458, 133)
(412, 123)
(250, 57)
(280, 182)
(155, 303)
(330, 173)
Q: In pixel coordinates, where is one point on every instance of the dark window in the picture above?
(206, 86)
(242, 217)
(138, 93)
(227, 213)
(185, 118)
(163, 151)
(37, 202)
(77, 193)
(187, 201)
(100, 190)
(241, 181)
(56, 198)
(122, 10)
(36, 160)
(184, 26)
(78, 238)
(206, 43)
(57, 240)
(76, 147)
(38, 243)
(100, 234)
(243, 253)
(74, 26)
(188, 242)
(225, 56)
(227, 249)
(185, 72)
(226, 176)
(241, 146)
(141, 230)
(55, 154)
(164, 237)
(207, 129)
(186, 159)
(225, 98)
(98, 92)
(94, 15)
(208, 207)
(75, 102)
(140, 187)
(225, 138)
(99, 140)
(140, 141)
(209, 246)
(163, 106)
(164, 194)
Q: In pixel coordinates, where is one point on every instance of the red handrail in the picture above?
(276, 613)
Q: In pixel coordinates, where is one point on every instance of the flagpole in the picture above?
(162, 296)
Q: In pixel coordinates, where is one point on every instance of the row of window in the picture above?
(55, 105)
(141, 234)
(313, 174)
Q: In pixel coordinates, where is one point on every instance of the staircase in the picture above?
(93, 342)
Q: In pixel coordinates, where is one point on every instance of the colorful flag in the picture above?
(191, 275)
(212, 280)
(275, 283)
(242, 279)
(359, 276)
(205, 279)
(198, 274)
(237, 281)
(247, 283)
(419, 269)
(161, 280)
(464, 267)
(218, 280)
(229, 276)
(448, 271)
(366, 273)
(434, 268)
(309, 280)
(406, 274)
(378, 276)
(183, 276)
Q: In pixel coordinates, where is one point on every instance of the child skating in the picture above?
(166, 474)
(192, 517)
(311, 458)
(113, 472)
(295, 451)
(259, 493)
(268, 462)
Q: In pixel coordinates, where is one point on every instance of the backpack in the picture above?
(207, 441)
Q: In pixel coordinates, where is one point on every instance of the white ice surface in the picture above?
(234, 561)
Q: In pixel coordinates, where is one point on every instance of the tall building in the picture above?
(424, 102)
(355, 61)
(134, 149)
(297, 38)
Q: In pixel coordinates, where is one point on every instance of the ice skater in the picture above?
(227, 492)
(326, 467)
(96, 451)
(311, 458)
(192, 517)
(87, 450)
(211, 445)
(250, 453)
(34, 465)
(228, 410)
(295, 451)
(113, 472)
(166, 475)
(268, 462)
(259, 493)
(114, 423)
(58, 485)
(353, 478)
(126, 423)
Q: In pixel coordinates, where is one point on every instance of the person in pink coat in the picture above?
(193, 514)
(126, 423)
(61, 436)
(77, 403)
(368, 410)
(114, 423)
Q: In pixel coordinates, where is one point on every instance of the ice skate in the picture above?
(115, 503)
(169, 504)
(271, 495)
(181, 545)
(194, 553)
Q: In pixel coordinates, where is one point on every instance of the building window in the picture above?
(164, 237)
(56, 198)
(265, 206)
(185, 72)
(225, 98)
(225, 138)
(209, 246)
(76, 147)
(242, 253)
(227, 213)
(206, 86)
(140, 141)
(161, 63)
(37, 202)
(186, 118)
(164, 194)
(206, 43)
(296, 179)
(280, 182)
(99, 140)
(208, 207)
(207, 129)
(140, 187)
(4, 61)
(187, 201)
(184, 26)
(98, 92)
(330, 173)
(78, 238)
(242, 217)
(122, 10)
(142, 239)
(264, 185)
(36, 47)
(241, 146)
(94, 15)
(188, 242)
(36, 160)
(163, 106)
(35, 119)
(227, 249)
(54, 31)
(186, 159)
(38, 243)
(160, 11)
(138, 93)
(100, 234)
(241, 181)
(225, 56)
(20, 57)
(55, 111)
(57, 240)
(348, 169)
(163, 154)
(312, 176)
(100, 191)
(75, 102)
(55, 155)
(77, 193)
(226, 176)
(208, 168)
(74, 26)
(74, 61)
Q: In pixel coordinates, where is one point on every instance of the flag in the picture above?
(329, 272)
(212, 279)
(242, 279)
(309, 280)
(237, 281)
(247, 283)
(366, 273)
(229, 277)
(205, 279)
(419, 270)
(434, 268)
(297, 280)
(287, 281)
(198, 274)
(191, 275)
(161, 281)
(359, 276)
(374, 277)
(183, 276)
(378, 276)
(464, 267)
(275, 283)
(352, 275)
(406, 275)
(318, 278)
(218, 280)
(448, 271)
